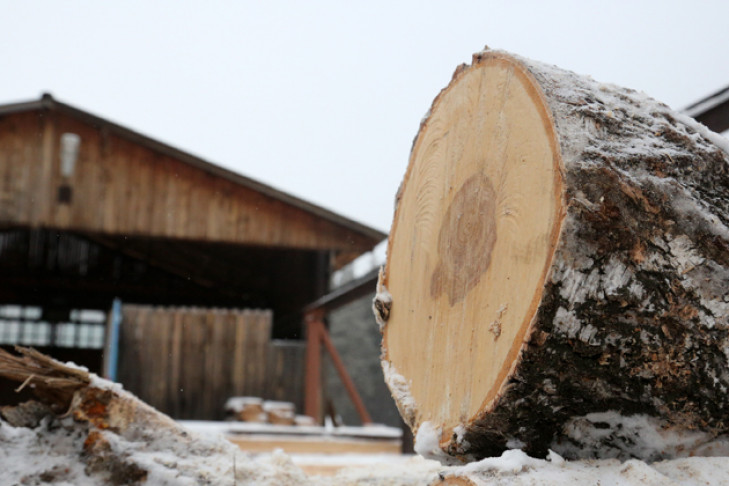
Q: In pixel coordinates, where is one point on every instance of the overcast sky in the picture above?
(323, 99)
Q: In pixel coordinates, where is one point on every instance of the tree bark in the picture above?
(558, 268)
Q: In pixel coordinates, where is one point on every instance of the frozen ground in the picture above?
(54, 453)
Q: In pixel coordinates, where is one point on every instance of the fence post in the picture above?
(111, 357)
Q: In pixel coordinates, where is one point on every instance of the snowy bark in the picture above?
(633, 322)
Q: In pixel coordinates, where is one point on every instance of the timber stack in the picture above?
(557, 270)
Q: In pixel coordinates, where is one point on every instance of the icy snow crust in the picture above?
(53, 453)
(400, 390)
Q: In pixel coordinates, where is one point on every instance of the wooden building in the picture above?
(91, 211)
(712, 111)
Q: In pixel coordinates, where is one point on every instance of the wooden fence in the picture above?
(187, 361)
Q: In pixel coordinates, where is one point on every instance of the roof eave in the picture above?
(50, 103)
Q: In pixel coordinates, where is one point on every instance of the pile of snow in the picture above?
(516, 468)
(56, 452)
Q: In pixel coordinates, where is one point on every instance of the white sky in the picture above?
(323, 99)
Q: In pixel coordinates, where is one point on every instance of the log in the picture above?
(102, 434)
(246, 409)
(557, 271)
(280, 413)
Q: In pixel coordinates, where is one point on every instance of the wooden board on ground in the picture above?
(315, 445)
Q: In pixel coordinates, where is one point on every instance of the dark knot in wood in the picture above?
(466, 240)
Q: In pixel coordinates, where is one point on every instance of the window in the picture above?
(25, 325)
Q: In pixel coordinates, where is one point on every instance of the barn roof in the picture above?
(47, 102)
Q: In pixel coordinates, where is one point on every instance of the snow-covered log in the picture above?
(89, 431)
(557, 270)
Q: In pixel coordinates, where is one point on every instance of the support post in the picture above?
(346, 379)
(312, 388)
(316, 334)
(112, 341)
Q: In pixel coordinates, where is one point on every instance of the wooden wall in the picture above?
(125, 188)
(187, 361)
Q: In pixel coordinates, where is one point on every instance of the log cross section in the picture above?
(557, 266)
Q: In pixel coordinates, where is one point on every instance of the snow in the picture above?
(515, 468)
(269, 406)
(237, 404)
(214, 428)
(719, 140)
(427, 440)
(52, 453)
(615, 435)
(55, 451)
(400, 390)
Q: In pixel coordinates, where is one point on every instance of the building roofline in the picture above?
(708, 102)
(712, 111)
(47, 102)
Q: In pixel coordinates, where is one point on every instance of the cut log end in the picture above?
(559, 252)
(472, 240)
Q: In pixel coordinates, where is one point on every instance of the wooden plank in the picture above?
(134, 349)
(146, 190)
(130, 349)
(130, 197)
(262, 325)
(161, 347)
(158, 193)
(194, 359)
(46, 162)
(122, 188)
(253, 387)
(213, 370)
(225, 336)
(146, 364)
(240, 376)
(312, 399)
(221, 363)
(176, 356)
(310, 445)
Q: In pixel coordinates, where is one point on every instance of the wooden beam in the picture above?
(346, 379)
(316, 335)
(312, 388)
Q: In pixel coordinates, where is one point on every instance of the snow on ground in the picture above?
(53, 453)
(57, 452)
(232, 427)
(516, 469)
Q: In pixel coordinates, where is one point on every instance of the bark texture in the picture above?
(634, 315)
